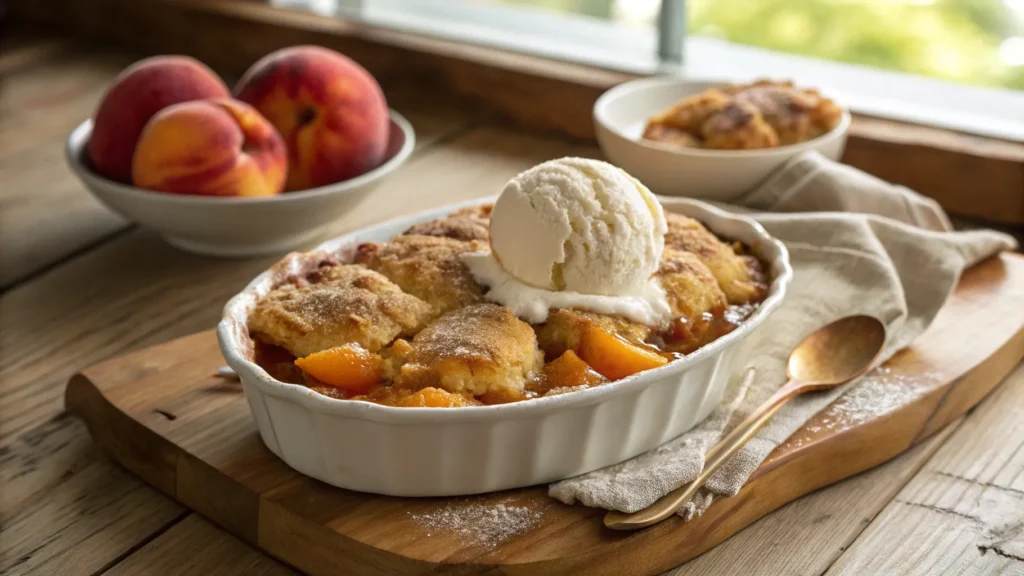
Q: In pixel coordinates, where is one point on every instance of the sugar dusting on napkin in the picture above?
(858, 245)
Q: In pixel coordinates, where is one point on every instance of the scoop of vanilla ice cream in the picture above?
(578, 225)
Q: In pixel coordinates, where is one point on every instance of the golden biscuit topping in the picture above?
(428, 267)
(466, 224)
(349, 304)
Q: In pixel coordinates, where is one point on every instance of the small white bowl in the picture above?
(451, 451)
(237, 227)
(621, 113)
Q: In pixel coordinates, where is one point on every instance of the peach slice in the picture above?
(435, 398)
(613, 357)
(349, 367)
(569, 371)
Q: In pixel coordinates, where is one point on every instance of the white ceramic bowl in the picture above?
(235, 227)
(449, 451)
(621, 113)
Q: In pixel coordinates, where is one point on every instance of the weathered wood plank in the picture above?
(45, 213)
(21, 50)
(806, 536)
(194, 547)
(65, 509)
(964, 512)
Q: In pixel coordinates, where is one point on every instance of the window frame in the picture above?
(900, 96)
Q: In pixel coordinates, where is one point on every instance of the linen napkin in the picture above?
(858, 245)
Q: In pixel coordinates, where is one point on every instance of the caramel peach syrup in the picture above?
(329, 110)
(216, 147)
(138, 93)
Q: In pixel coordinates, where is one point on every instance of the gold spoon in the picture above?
(831, 356)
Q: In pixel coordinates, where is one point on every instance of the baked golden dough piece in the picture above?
(738, 126)
(564, 328)
(466, 224)
(428, 267)
(690, 287)
(689, 114)
(795, 115)
(696, 299)
(347, 304)
(741, 277)
(473, 350)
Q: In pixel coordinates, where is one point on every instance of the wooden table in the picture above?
(78, 284)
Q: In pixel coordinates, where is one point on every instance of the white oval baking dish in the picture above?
(452, 451)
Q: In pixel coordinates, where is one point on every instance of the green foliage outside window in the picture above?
(957, 40)
(969, 41)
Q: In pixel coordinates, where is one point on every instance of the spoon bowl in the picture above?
(838, 352)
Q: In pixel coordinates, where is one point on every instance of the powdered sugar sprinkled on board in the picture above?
(878, 393)
(477, 523)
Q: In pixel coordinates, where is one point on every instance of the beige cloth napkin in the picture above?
(858, 245)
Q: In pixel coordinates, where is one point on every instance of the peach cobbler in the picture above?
(412, 322)
(764, 114)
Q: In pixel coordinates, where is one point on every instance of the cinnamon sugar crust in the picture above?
(347, 304)
(473, 350)
(738, 126)
(466, 224)
(690, 287)
(740, 277)
(428, 267)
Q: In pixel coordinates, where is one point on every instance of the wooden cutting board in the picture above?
(162, 413)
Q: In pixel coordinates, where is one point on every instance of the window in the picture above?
(953, 63)
(970, 41)
(583, 31)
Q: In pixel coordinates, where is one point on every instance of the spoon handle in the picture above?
(670, 503)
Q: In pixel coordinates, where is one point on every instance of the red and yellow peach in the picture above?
(137, 94)
(329, 110)
(216, 147)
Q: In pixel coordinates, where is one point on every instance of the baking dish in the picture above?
(452, 451)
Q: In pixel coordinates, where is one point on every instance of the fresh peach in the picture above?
(329, 110)
(139, 92)
(218, 147)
